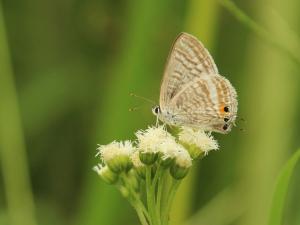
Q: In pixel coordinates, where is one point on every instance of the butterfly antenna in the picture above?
(242, 129)
(242, 119)
(143, 98)
(134, 109)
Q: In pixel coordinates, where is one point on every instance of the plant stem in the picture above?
(259, 30)
(156, 209)
(140, 215)
(157, 175)
(159, 192)
(136, 202)
(170, 198)
(150, 197)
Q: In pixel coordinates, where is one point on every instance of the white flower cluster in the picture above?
(154, 145)
(197, 141)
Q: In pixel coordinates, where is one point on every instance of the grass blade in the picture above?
(13, 158)
(260, 31)
(281, 190)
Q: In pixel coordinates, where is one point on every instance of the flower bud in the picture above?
(148, 158)
(149, 142)
(139, 167)
(119, 164)
(106, 174)
(167, 152)
(194, 151)
(197, 142)
(116, 156)
(178, 172)
(181, 164)
(166, 162)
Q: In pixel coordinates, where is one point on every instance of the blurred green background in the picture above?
(67, 68)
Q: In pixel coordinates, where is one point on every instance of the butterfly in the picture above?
(193, 93)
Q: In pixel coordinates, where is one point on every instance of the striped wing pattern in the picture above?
(187, 60)
(192, 92)
(200, 103)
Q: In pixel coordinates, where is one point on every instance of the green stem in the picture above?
(156, 176)
(140, 215)
(135, 201)
(148, 192)
(151, 197)
(156, 209)
(159, 192)
(170, 198)
(139, 211)
(259, 30)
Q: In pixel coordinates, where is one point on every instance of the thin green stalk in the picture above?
(12, 147)
(150, 196)
(140, 215)
(281, 189)
(156, 176)
(140, 204)
(160, 186)
(259, 30)
(167, 209)
(139, 210)
(134, 198)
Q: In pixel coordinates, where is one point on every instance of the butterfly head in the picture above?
(156, 110)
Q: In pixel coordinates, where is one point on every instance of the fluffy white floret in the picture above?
(115, 149)
(182, 158)
(169, 148)
(199, 138)
(135, 158)
(150, 140)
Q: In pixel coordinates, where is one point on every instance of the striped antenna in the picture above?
(143, 98)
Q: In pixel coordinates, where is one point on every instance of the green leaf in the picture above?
(281, 190)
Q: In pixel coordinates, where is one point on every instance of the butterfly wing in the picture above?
(201, 103)
(187, 60)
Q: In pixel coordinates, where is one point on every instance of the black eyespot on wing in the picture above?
(225, 127)
(226, 109)
(226, 119)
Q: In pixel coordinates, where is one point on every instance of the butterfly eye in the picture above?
(225, 127)
(156, 110)
(226, 119)
(226, 109)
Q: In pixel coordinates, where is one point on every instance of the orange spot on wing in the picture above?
(222, 111)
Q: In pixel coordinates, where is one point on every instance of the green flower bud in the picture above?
(119, 164)
(148, 158)
(139, 167)
(194, 151)
(181, 164)
(166, 162)
(149, 143)
(116, 156)
(106, 174)
(197, 142)
(178, 172)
